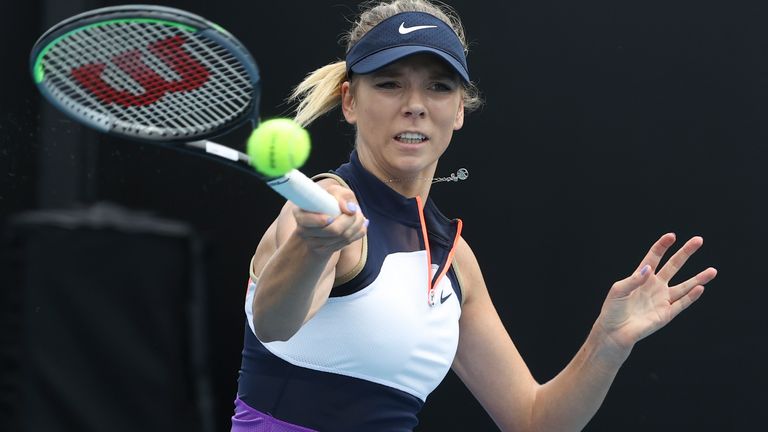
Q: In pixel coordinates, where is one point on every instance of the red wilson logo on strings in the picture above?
(170, 51)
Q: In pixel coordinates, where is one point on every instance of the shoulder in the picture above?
(465, 256)
(467, 270)
(330, 179)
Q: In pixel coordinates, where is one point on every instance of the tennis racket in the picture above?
(160, 75)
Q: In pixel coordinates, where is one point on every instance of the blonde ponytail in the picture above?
(319, 93)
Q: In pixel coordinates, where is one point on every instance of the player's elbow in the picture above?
(268, 332)
(270, 337)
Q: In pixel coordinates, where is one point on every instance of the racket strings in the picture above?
(148, 79)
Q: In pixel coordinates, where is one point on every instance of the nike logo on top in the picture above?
(405, 30)
(443, 299)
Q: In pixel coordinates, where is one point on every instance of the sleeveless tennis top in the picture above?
(386, 336)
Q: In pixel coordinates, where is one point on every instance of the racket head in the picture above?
(145, 72)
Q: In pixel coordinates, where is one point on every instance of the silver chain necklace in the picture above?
(460, 174)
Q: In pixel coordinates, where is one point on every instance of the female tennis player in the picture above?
(352, 321)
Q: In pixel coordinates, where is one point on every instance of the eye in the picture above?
(441, 86)
(387, 85)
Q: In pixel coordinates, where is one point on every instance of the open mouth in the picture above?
(411, 137)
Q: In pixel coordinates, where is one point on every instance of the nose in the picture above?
(414, 104)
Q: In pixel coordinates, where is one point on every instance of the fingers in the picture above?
(625, 287)
(657, 251)
(347, 205)
(335, 234)
(680, 291)
(323, 232)
(683, 302)
(677, 260)
(346, 198)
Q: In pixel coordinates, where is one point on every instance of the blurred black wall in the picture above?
(606, 125)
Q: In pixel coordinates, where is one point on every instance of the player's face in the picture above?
(405, 115)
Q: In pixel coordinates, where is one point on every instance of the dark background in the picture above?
(606, 124)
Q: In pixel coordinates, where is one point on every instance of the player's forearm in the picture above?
(571, 399)
(286, 289)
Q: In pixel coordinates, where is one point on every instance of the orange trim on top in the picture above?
(451, 253)
(459, 224)
(423, 224)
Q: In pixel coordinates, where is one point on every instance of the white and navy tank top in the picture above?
(386, 336)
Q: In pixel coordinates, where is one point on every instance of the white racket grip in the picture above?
(305, 193)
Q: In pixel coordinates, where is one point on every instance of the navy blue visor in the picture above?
(406, 34)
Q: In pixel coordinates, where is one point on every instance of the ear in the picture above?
(348, 103)
(459, 121)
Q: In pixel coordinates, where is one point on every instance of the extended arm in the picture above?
(295, 263)
(492, 368)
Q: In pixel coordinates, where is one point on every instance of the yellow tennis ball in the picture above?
(278, 146)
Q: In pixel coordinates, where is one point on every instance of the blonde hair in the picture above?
(320, 92)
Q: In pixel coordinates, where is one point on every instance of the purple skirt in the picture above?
(247, 419)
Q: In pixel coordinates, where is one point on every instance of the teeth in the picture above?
(411, 137)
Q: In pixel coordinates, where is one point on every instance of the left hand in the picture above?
(644, 302)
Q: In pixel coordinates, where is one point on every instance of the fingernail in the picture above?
(645, 270)
(351, 206)
(329, 221)
(365, 224)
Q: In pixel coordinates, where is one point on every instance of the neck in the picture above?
(410, 187)
(407, 184)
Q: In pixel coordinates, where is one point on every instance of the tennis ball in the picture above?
(278, 146)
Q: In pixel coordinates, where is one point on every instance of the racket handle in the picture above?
(305, 193)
